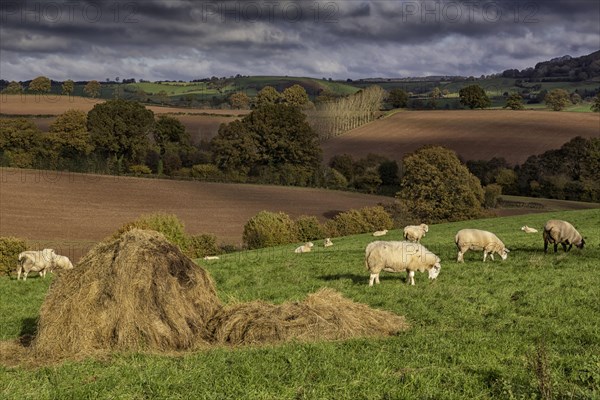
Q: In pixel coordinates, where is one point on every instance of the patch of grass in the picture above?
(526, 327)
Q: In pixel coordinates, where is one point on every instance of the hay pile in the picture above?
(137, 292)
(140, 293)
(324, 315)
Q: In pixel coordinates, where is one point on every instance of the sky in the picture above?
(343, 39)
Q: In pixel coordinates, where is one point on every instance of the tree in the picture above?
(13, 88)
(234, 149)
(41, 84)
(169, 131)
(69, 137)
(267, 95)
(295, 96)
(120, 129)
(474, 96)
(557, 99)
(239, 100)
(68, 87)
(92, 88)
(596, 105)
(514, 102)
(398, 98)
(436, 186)
(20, 142)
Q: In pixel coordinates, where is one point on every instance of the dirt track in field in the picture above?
(473, 134)
(72, 211)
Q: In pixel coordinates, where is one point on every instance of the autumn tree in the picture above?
(436, 186)
(69, 137)
(514, 102)
(295, 96)
(557, 99)
(13, 88)
(267, 95)
(474, 96)
(68, 87)
(239, 101)
(120, 129)
(20, 143)
(41, 84)
(92, 88)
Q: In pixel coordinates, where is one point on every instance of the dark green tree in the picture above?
(68, 87)
(92, 88)
(120, 129)
(398, 98)
(436, 186)
(170, 131)
(13, 88)
(474, 96)
(514, 102)
(596, 105)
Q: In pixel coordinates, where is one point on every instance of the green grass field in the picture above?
(524, 328)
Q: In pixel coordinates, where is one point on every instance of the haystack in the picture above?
(136, 292)
(324, 315)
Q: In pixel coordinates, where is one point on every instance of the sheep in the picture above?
(327, 242)
(414, 233)
(396, 256)
(62, 262)
(557, 231)
(211, 257)
(527, 229)
(305, 248)
(37, 261)
(380, 233)
(475, 239)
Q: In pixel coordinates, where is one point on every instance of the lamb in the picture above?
(475, 239)
(36, 261)
(557, 231)
(380, 233)
(327, 242)
(414, 233)
(527, 229)
(396, 256)
(305, 248)
(211, 257)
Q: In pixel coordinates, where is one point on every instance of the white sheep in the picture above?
(476, 239)
(327, 242)
(396, 256)
(36, 261)
(414, 233)
(380, 233)
(527, 229)
(211, 257)
(557, 231)
(305, 248)
(61, 262)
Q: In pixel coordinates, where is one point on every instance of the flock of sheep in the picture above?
(411, 256)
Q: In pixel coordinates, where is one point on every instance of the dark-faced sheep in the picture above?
(557, 231)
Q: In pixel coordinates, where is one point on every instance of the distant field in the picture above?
(77, 210)
(473, 134)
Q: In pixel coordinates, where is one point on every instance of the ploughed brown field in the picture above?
(43, 109)
(71, 212)
(473, 134)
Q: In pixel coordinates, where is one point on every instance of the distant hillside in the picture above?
(564, 68)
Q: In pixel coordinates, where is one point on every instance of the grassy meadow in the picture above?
(524, 328)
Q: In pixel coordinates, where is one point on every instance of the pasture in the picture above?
(527, 327)
(473, 134)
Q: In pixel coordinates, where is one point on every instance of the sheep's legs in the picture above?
(460, 257)
(411, 278)
(374, 277)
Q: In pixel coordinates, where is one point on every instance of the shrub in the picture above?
(167, 224)
(490, 194)
(350, 222)
(206, 172)
(140, 169)
(203, 245)
(308, 228)
(377, 218)
(267, 229)
(10, 247)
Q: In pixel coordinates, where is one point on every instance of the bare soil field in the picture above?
(71, 212)
(473, 134)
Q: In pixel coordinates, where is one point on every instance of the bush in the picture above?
(491, 194)
(308, 228)
(206, 172)
(140, 169)
(10, 247)
(203, 245)
(366, 219)
(377, 217)
(267, 229)
(167, 224)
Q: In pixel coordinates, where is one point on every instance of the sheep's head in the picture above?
(580, 244)
(435, 270)
(504, 253)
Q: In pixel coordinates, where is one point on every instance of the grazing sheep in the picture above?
(61, 262)
(211, 257)
(305, 248)
(36, 261)
(475, 239)
(557, 231)
(327, 242)
(527, 229)
(380, 233)
(396, 256)
(414, 233)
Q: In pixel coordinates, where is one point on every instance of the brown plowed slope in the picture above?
(473, 134)
(76, 210)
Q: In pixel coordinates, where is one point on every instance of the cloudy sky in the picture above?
(181, 39)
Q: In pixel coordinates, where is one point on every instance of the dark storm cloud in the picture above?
(178, 39)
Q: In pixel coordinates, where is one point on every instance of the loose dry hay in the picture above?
(324, 315)
(140, 293)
